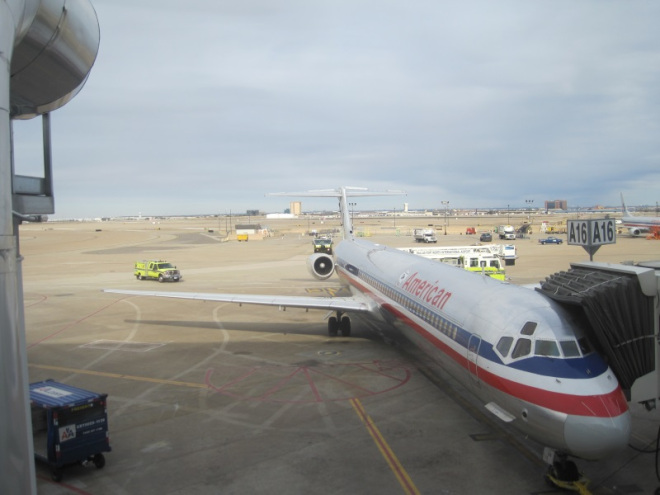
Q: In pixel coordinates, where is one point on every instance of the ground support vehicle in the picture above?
(242, 237)
(506, 232)
(506, 252)
(485, 237)
(162, 271)
(470, 231)
(322, 245)
(550, 240)
(556, 228)
(69, 425)
(478, 259)
(424, 235)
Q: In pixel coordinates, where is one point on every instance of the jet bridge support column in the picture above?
(17, 472)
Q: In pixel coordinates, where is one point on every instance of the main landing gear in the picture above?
(563, 473)
(339, 323)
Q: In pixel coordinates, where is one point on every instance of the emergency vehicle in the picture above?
(478, 259)
(163, 271)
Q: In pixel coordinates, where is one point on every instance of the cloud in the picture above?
(481, 103)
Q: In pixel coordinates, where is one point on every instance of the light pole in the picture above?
(446, 203)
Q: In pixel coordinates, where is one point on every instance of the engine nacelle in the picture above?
(320, 265)
(634, 231)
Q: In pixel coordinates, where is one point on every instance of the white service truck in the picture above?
(424, 235)
(506, 232)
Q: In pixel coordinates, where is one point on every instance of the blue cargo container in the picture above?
(69, 425)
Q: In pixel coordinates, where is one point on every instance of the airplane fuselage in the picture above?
(640, 225)
(520, 353)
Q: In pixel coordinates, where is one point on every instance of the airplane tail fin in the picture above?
(626, 213)
(343, 193)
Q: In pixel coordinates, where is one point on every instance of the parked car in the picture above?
(551, 240)
(485, 237)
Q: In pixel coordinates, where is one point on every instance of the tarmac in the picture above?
(214, 398)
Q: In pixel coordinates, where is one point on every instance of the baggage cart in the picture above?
(69, 425)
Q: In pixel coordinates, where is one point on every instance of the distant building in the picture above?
(557, 204)
(271, 216)
(248, 229)
(295, 208)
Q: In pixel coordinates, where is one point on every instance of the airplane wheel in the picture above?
(562, 472)
(333, 326)
(345, 326)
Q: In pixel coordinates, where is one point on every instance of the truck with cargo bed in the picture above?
(424, 235)
(506, 232)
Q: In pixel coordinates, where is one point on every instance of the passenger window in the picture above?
(504, 345)
(528, 328)
(523, 348)
(546, 348)
(569, 348)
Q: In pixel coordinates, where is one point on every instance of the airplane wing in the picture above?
(323, 303)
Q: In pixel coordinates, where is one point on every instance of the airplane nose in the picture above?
(593, 438)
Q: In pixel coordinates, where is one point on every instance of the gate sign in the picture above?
(591, 234)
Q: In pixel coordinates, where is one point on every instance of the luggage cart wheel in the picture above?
(56, 475)
(99, 461)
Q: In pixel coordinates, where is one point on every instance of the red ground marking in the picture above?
(308, 384)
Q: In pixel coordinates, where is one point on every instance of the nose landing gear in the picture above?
(564, 474)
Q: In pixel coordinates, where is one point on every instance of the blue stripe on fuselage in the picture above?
(575, 368)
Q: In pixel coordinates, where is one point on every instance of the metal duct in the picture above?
(53, 57)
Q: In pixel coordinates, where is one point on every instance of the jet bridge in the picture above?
(621, 304)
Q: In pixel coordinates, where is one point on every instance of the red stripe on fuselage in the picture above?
(607, 405)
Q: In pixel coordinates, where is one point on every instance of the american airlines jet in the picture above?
(520, 353)
(638, 225)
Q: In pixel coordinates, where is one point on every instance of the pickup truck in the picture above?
(551, 240)
(162, 271)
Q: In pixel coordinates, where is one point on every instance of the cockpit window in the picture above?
(546, 348)
(523, 348)
(569, 348)
(528, 328)
(585, 347)
(504, 345)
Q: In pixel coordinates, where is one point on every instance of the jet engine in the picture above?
(320, 265)
(634, 232)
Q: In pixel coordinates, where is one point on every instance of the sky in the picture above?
(206, 106)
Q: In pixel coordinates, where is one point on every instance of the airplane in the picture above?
(525, 357)
(638, 225)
